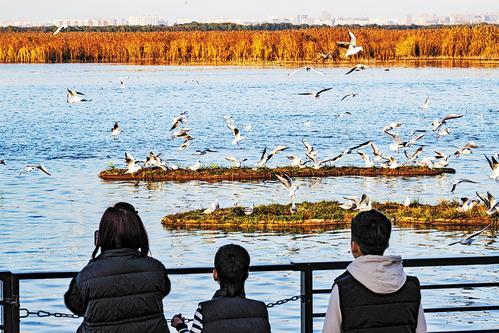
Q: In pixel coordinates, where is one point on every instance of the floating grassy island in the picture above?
(326, 215)
(241, 174)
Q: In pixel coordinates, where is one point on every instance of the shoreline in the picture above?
(437, 62)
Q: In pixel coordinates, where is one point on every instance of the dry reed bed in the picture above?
(326, 215)
(479, 42)
(242, 174)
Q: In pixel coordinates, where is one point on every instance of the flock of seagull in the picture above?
(180, 131)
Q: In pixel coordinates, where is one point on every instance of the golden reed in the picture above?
(480, 42)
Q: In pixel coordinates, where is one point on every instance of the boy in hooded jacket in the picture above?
(374, 294)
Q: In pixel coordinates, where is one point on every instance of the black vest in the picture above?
(235, 315)
(362, 310)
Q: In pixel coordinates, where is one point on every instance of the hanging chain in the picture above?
(25, 313)
(284, 301)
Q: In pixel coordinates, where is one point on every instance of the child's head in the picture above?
(370, 233)
(121, 227)
(231, 269)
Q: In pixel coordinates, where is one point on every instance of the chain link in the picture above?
(25, 313)
(284, 301)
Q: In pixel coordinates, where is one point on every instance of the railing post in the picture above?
(10, 302)
(306, 282)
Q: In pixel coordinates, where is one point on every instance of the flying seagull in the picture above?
(75, 97)
(308, 69)
(31, 167)
(346, 113)
(352, 47)
(237, 134)
(132, 165)
(367, 160)
(426, 103)
(315, 94)
(66, 27)
(490, 202)
(469, 239)
(288, 183)
(459, 181)
(391, 126)
(324, 56)
(204, 151)
(116, 129)
(347, 95)
(467, 205)
(494, 166)
(437, 123)
(180, 119)
(356, 68)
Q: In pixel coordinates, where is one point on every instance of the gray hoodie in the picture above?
(380, 274)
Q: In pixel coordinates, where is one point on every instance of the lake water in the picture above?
(47, 223)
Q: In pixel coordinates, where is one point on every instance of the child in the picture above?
(229, 311)
(374, 295)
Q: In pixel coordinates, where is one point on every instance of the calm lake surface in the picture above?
(47, 223)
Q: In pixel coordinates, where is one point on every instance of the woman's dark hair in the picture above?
(232, 264)
(121, 227)
(371, 231)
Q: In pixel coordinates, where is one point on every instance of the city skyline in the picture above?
(257, 10)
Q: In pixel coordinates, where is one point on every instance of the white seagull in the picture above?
(116, 129)
(426, 103)
(213, 207)
(348, 95)
(235, 162)
(467, 205)
(308, 69)
(494, 166)
(288, 183)
(75, 97)
(356, 68)
(315, 94)
(459, 181)
(490, 202)
(437, 123)
(367, 160)
(469, 239)
(237, 134)
(180, 119)
(352, 47)
(31, 167)
(195, 167)
(132, 165)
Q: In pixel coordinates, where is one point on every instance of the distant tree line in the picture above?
(196, 26)
(248, 46)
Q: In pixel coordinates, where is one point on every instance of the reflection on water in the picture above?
(47, 223)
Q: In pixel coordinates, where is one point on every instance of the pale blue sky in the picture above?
(247, 9)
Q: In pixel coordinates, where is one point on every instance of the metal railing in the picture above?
(10, 304)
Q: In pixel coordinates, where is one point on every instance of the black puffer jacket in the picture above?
(119, 291)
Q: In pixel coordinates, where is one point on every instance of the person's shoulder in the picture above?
(344, 276)
(153, 262)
